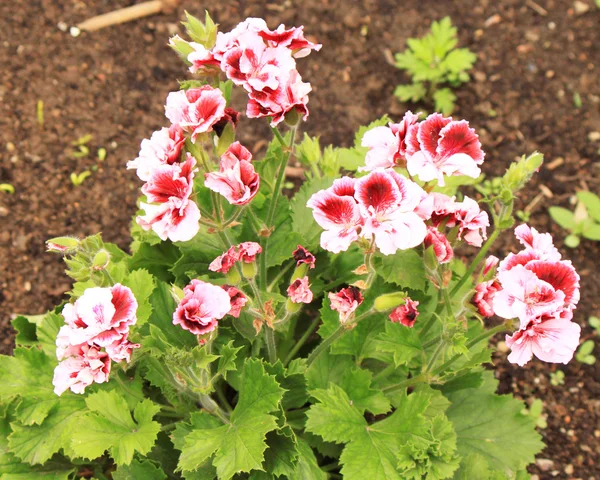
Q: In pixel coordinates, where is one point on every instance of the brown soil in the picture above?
(533, 57)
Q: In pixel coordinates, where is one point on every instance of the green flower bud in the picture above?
(300, 271)
(226, 139)
(292, 118)
(519, 173)
(62, 244)
(388, 301)
(101, 260)
(292, 307)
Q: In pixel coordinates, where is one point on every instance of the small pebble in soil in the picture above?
(62, 26)
(580, 7)
(544, 464)
(594, 136)
(569, 469)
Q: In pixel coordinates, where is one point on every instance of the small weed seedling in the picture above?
(584, 221)
(77, 179)
(595, 324)
(584, 353)
(557, 378)
(435, 66)
(40, 113)
(7, 187)
(81, 147)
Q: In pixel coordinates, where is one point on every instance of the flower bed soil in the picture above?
(532, 59)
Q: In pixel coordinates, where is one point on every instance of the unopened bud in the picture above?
(225, 139)
(292, 118)
(388, 301)
(101, 260)
(292, 307)
(62, 244)
(300, 272)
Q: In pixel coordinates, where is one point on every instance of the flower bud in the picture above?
(292, 118)
(101, 260)
(62, 244)
(519, 173)
(225, 140)
(389, 301)
(292, 307)
(300, 271)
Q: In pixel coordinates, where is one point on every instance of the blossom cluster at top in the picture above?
(436, 147)
(262, 61)
(539, 289)
(96, 331)
(395, 212)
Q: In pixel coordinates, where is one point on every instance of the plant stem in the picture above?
(212, 407)
(234, 217)
(278, 136)
(325, 344)
(435, 356)
(222, 398)
(307, 333)
(480, 256)
(385, 372)
(271, 346)
(275, 197)
(281, 273)
(447, 302)
(428, 326)
(409, 382)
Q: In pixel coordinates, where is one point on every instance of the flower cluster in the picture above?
(394, 212)
(541, 291)
(204, 304)
(245, 252)
(262, 61)
(96, 331)
(430, 149)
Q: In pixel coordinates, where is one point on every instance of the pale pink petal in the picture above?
(299, 291)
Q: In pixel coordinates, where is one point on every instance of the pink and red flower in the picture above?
(196, 110)
(389, 146)
(405, 314)
(445, 147)
(236, 179)
(553, 339)
(472, 221)
(170, 212)
(299, 291)
(247, 251)
(292, 38)
(202, 306)
(346, 301)
(163, 147)
(87, 365)
(441, 246)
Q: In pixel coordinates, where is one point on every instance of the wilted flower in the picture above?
(236, 179)
(303, 256)
(196, 110)
(406, 314)
(171, 213)
(446, 147)
(247, 251)
(346, 301)
(202, 306)
(224, 262)
(299, 291)
(163, 147)
(237, 300)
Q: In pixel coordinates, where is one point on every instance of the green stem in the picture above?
(168, 427)
(234, 217)
(428, 326)
(409, 382)
(480, 256)
(223, 398)
(447, 303)
(281, 273)
(325, 344)
(435, 356)
(212, 407)
(271, 346)
(385, 372)
(278, 136)
(302, 340)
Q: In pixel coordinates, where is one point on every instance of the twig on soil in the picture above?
(389, 57)
(539, 9)
(127, 14)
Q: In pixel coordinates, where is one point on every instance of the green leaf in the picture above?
(142, 284)
(444, 100)
(356, 382)
(138, 470)
(110, 426)
(157, 259)
(196, 255)
(592, 232)
(402, 341)
(240, 444)
(47, 331)
(327, 368)
(412, 92)
(26, 331)
(28, 375)
(459, 60)
(405, 269)
(493, 426)
(591, 202)
(563, 217)
(473, 466)
(37, 443)
(307, 467)
(303, 221)
(281, 457)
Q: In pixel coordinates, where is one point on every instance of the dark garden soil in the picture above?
(532, 59)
